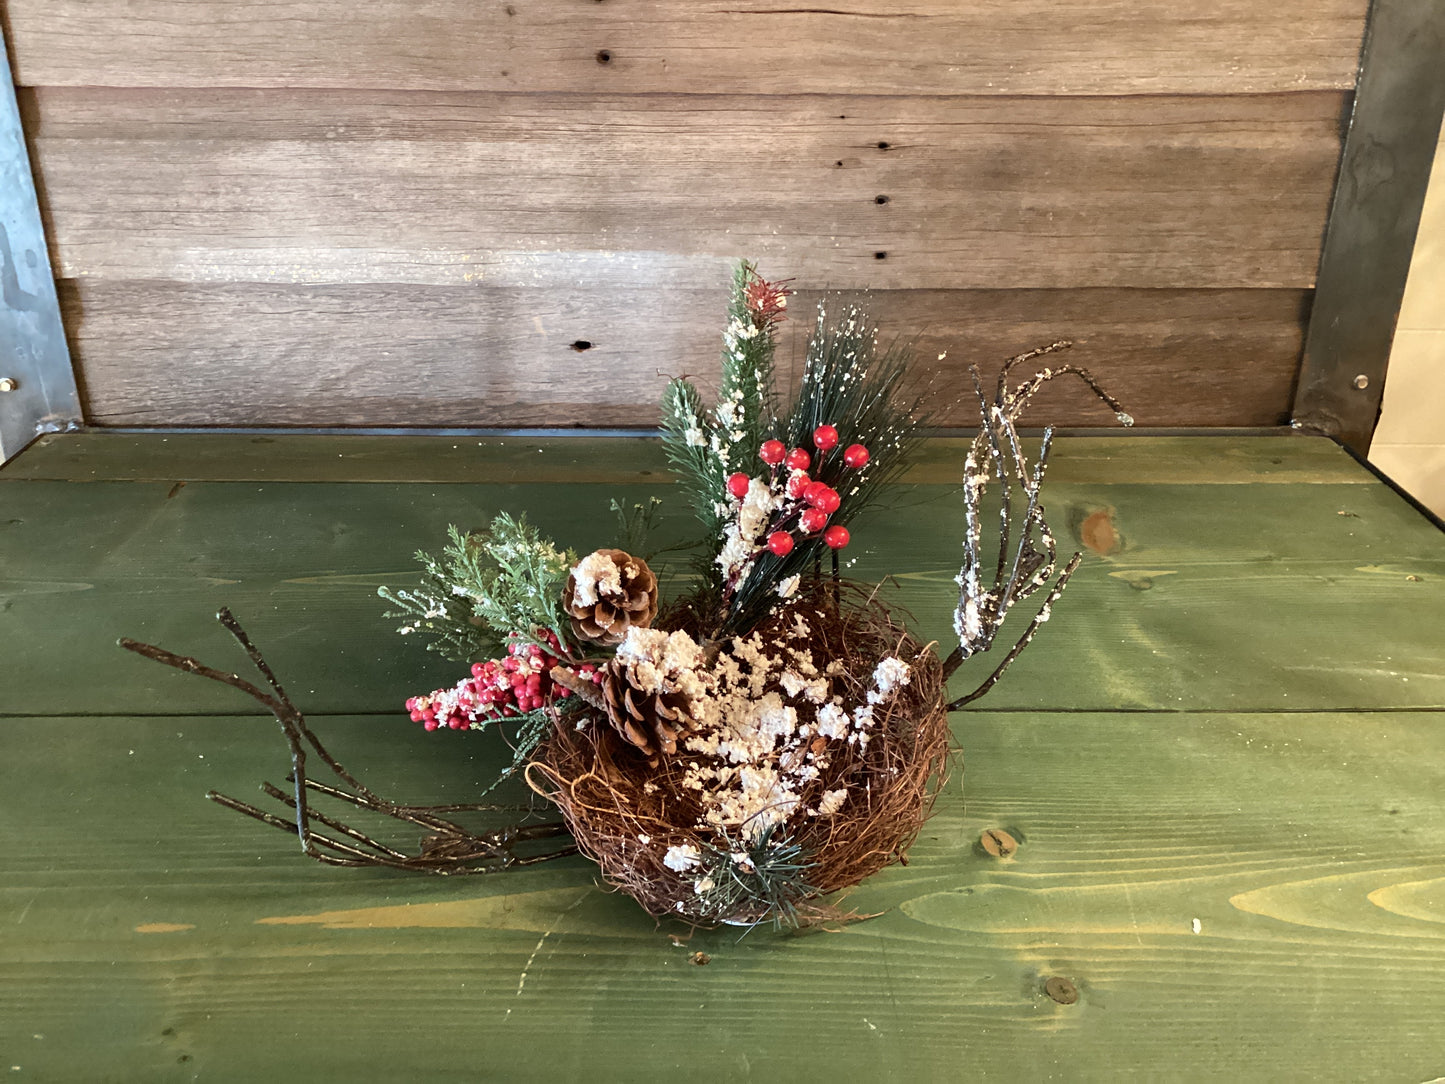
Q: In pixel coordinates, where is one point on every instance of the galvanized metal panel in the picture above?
(37, 384)
(1383, 175)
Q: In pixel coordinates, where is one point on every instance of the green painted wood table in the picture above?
(1224, 759)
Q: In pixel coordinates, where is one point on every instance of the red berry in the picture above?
(478, 669)
(811, 491)
(738, 484)
(836, 536)
(798, 460)
(813, 520)
(772, 452)
(825, 437)
(828, 500)
(797, 482)
(780, 543)
(855, 455)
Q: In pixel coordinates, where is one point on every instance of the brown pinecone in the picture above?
(651, 721)
(602, 611)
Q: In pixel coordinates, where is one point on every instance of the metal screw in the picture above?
(8, 383)
(998, 843)
(1362, 381)
(1061, 990)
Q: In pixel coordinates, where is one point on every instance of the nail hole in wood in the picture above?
(603, 56)
(581, 345)
(880, 255)
(882, 144)
(880, 200)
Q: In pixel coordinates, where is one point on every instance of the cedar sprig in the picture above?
(504, 582)
(435, 611)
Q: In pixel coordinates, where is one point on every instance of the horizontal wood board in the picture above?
(1136, 191)
(1045, 47)
(1250, 896)
(1195, 585)
(153, 353)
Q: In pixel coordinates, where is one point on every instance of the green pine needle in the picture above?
(772, 888)
(850, 383)
(704, 448)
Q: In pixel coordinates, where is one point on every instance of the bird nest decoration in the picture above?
(743, 748)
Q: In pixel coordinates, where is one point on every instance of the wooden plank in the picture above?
(1258, 894)
(652, 46)
(226, 186)
(405, 355)
(1197, 459)
(1193, 587)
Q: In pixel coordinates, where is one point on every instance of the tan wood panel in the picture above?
(848, 192)
(900, 46)
(279, 354)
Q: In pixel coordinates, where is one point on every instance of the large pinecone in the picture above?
(651, 721)
(607, 593)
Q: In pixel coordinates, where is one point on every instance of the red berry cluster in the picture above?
(814, 500)
(498, 688)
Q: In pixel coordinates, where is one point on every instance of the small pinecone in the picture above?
(601, 611)
(651, 721)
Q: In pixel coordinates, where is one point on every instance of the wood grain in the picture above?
(408, 355)
(653, 46)
(1307, 849)
(110, 456)
(1207, 581)
(224, 186)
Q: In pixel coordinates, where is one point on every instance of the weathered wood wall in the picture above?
(315, 212)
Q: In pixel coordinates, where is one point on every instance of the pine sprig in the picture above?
(761, 874)
(746, 397)
(850, 383)
(688, 436)
(703, 447)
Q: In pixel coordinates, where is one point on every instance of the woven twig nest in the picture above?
(822, 740)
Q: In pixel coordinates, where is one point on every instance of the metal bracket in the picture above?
(37, 384)
(1385, 168)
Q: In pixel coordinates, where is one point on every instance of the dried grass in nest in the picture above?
(625, 815)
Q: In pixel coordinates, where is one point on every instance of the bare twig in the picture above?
(448, 848)
(1027, 551)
